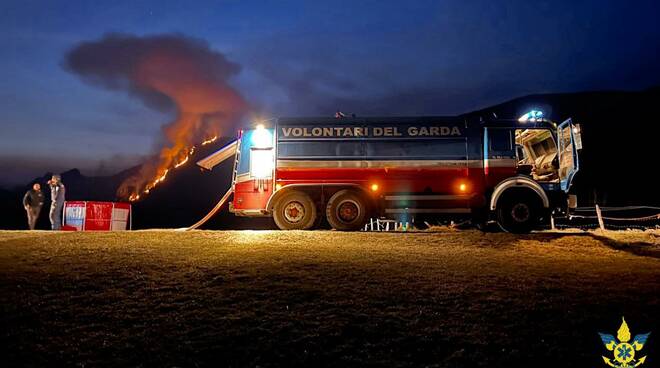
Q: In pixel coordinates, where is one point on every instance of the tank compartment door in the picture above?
(254, 173)
(568, 153)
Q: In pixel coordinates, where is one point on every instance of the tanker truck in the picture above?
(299, 171)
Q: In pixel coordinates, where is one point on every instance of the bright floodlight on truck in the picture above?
(532, 116)
(262, 158)
(261, 137)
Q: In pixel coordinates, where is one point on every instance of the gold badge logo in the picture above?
(623, 348)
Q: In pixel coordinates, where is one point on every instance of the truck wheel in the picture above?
(295, 211)
(518, 212)
(346, 210)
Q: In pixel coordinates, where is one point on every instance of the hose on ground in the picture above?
(215, 209)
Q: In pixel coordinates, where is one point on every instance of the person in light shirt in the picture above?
(57, 191)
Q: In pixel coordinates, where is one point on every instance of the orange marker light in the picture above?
(462, 187)
(374, 187)
(278, 186)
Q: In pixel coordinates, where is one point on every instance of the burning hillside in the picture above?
(168, 73)
(129, 186)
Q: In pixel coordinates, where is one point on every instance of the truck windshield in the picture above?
(537, 152)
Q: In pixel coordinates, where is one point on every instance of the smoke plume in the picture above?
(167, 73)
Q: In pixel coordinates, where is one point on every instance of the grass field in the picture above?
(322, 298)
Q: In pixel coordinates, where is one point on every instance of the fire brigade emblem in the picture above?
(623, 348)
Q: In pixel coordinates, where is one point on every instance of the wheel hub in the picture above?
(520, 212)
(348, 211)
(294, 212)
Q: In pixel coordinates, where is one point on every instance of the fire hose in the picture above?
(228, 151)
(213, 211)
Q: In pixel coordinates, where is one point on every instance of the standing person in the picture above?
(32, 201)
(57, 191)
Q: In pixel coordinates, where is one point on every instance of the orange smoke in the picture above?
(168, 72)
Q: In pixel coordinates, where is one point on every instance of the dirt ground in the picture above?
(322, 298)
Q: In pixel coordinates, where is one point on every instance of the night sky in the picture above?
(308, 58)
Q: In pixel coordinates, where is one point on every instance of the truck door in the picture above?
(568, 153)
(499, 155)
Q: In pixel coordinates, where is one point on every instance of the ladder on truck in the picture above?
(234, 148)
(237, 157)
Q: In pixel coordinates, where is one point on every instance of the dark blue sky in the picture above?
(309, 58)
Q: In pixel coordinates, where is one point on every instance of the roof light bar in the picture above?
(532, 116)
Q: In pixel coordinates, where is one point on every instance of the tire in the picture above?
(347, 210)
(295, 211)
(518, 211)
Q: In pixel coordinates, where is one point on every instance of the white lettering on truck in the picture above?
(388, 131)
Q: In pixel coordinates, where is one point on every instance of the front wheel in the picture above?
(518, 212)
(346, 210)
(295, 211)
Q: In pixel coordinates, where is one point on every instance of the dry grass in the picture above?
(323, 298)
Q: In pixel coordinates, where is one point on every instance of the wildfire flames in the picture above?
(171, 73)
(209, 141)
(136, 196)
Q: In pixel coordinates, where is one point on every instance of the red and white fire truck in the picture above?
(348, 170)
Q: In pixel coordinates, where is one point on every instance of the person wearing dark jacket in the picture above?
(57, 191)
(32, 201)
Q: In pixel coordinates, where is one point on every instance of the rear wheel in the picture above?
(346, 210)
(518, 211)
(295, 211)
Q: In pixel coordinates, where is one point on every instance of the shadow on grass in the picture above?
(637, 248)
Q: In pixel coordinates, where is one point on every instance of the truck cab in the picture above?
(529, 163)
